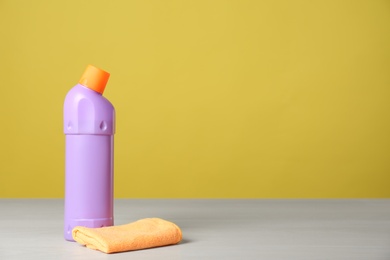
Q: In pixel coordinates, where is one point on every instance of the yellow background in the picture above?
(214, 99)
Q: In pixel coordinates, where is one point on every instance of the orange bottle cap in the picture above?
(94, 78)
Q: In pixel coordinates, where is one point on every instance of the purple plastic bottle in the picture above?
(89, 126)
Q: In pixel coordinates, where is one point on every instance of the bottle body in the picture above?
(89, 125)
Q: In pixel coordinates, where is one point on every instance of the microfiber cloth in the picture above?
(141, 234)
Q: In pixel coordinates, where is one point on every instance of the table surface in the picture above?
(213, 229)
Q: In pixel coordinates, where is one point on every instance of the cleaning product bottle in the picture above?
(89, 126)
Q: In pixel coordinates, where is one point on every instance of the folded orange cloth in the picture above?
(144, 233)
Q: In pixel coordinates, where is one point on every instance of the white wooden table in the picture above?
(213, 229)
